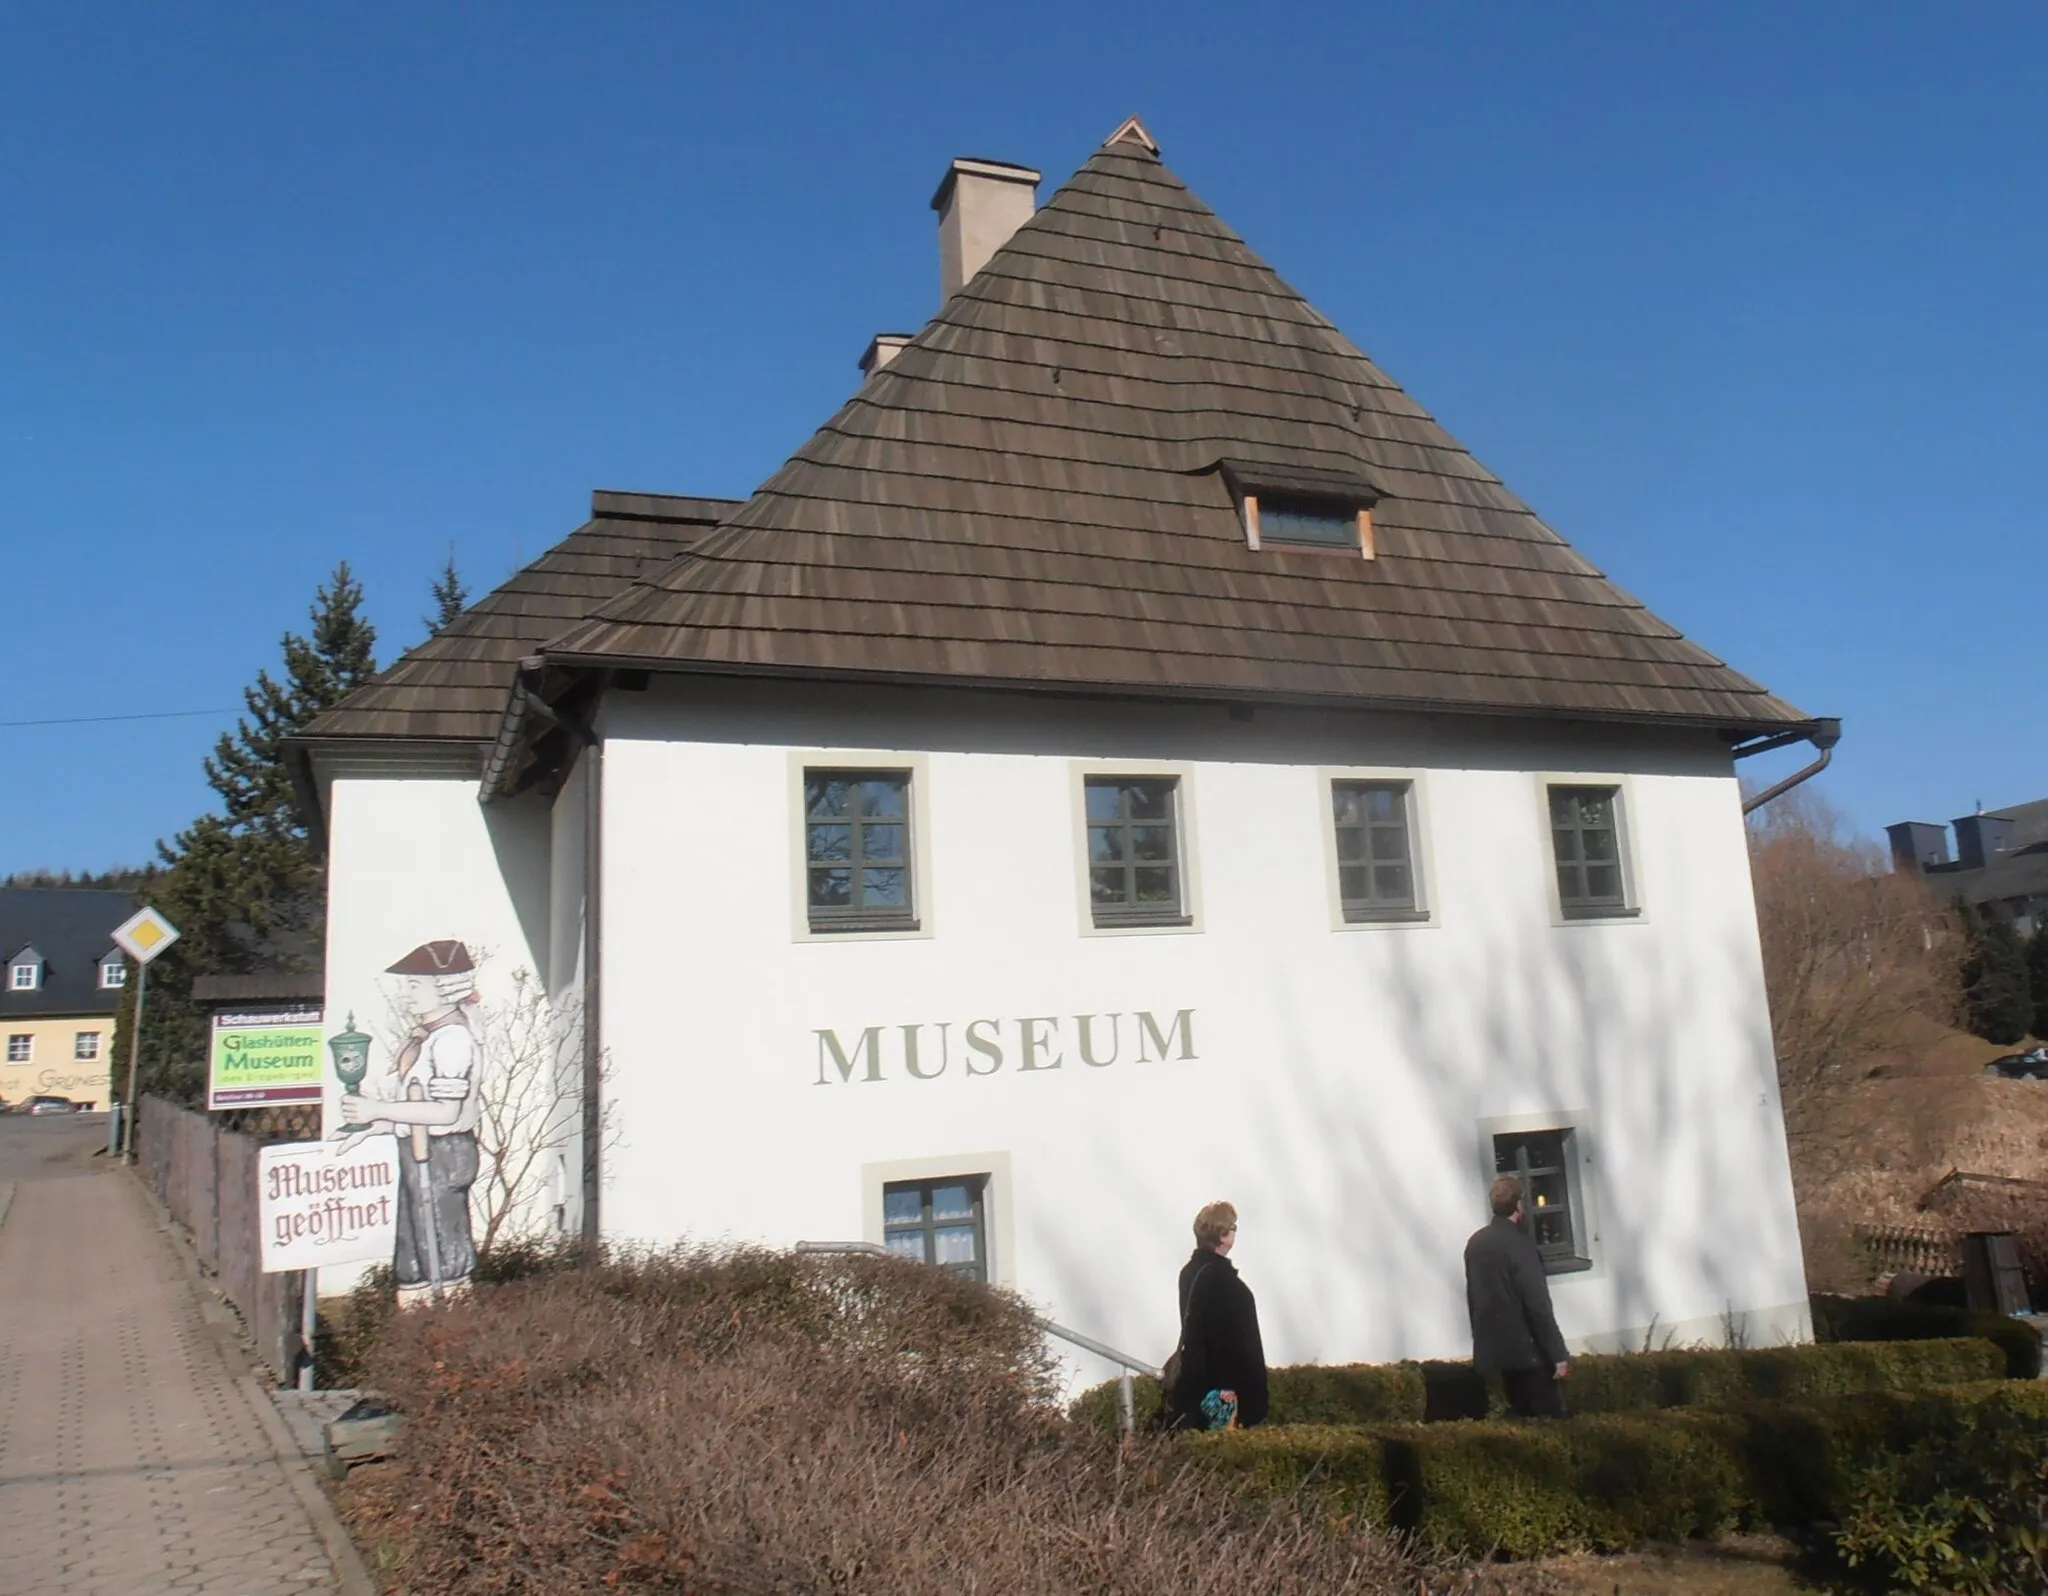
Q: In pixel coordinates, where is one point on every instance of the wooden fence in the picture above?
(206, 1176)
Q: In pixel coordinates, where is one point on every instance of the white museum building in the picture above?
(1130, 755)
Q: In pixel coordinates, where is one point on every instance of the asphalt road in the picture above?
(39, 1147)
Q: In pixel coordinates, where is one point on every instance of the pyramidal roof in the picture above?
(1030, 493)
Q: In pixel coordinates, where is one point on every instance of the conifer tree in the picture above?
(451, 597)
(1997, 1004)
(245, 886)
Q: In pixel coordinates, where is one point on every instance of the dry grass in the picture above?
(754, 1422)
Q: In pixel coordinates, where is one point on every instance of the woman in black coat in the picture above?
(1220, 1349)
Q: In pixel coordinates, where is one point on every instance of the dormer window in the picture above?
(25, 974)
(1294, 508)
(113, 973)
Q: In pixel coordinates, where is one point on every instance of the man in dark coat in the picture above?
(1514, 1333)
(1220, 1348)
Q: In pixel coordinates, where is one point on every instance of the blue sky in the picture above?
(1747, 300)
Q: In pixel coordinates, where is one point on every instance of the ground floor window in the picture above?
(941, 1222)
(85, 1046)
(20, 1049)
(1544, 1162)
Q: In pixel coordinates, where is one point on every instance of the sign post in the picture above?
(142, 936)
(318, 1204)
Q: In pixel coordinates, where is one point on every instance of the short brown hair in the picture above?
(1505, 1195)
(1213, 1223)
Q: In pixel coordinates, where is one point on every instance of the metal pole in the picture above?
(134, 1060)
(309, 1324)
(1126, 1406)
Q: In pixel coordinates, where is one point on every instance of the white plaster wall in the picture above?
(412, 858)
(1342, 1075)
(566, 907)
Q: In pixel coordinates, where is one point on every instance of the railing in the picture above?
(1126, 1405)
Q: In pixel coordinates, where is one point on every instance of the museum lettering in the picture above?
(932, 1051)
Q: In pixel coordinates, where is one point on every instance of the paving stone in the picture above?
(131, 1459)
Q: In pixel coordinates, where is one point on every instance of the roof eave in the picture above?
(1733, 727)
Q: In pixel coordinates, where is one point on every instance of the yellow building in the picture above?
(60, 983)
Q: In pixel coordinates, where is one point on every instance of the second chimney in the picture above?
(980, 204)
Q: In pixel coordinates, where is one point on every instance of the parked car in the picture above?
(50, 1105)
(2031, 1065)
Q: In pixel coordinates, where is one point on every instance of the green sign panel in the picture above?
(264, 1058)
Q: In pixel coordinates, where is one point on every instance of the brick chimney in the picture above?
(980, 204)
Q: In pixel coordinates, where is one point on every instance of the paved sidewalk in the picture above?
(133, 1458)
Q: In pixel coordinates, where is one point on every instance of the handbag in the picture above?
(1169, 1371)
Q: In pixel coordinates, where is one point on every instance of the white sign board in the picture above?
(144, 934)
(322, 1206)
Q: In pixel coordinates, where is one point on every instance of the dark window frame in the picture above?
(1376, 908)
(927, 1226)
(1572, 1253)
(856, 917)
(1130, 911)
(1575, 855)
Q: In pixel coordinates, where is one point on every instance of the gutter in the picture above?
(1823, 734)
(526, 703)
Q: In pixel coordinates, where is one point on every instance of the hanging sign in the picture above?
(267, 1057)
(318, 1205)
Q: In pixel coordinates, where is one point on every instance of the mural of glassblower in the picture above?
(432, 1114)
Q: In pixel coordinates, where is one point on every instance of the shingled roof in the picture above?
(453, 686)
(1033, 493)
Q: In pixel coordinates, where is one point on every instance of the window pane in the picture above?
(881, 844)
(1106, 885)
(1598, 844)
(831, 889)
(1391, 883)
(1151, 800)
(907, 1244)
(1152, 842)
(1155, 884)
(883, 798)
(902, 1207)
(1347, 801)
(884, 889)
(1104, 798)
(952, 1202)
(1552, 1229)
(955, 1244)
(1603, 883)
(1105, 842)
(1384, 803)
(1389, 842)
(831, 842)
(1352, 884)
(823, 795)
(1549, 1191)
(1351, 843)
(1305, 521)
(1567, 845)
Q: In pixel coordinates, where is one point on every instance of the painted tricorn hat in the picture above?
(435, 958)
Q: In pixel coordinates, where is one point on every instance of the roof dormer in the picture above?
(25, 971)
(113, 970)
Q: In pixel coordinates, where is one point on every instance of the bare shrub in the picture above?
(1856, 956)
(745, 1421)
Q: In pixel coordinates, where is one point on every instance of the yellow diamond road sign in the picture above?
(145, 934)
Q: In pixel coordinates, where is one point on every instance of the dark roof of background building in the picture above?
(265, 987)
(1031, 493)
(453, 686)
(72, 928)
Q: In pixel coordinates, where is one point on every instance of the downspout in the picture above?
(1825, 734)
(593, 939)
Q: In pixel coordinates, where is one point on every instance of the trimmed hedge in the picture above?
(1369, 1393)
(1882, 1319)
(1604, 1482)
